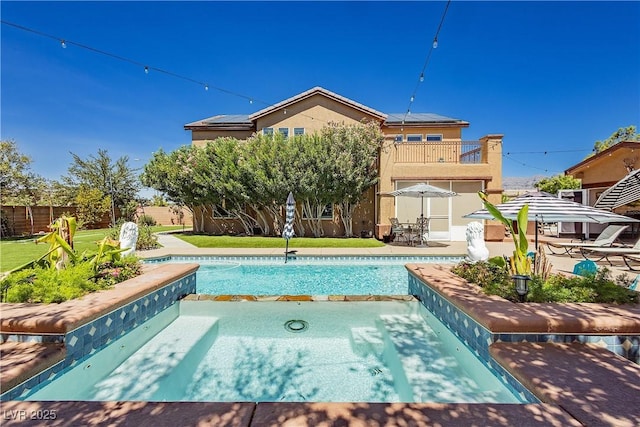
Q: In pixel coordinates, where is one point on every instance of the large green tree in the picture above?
(622, 134)
(559, 182)
(18, 184)
(115, 179)
(250, 179)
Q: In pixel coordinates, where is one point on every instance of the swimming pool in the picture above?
(344, 275)
(282, 351)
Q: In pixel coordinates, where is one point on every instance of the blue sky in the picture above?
(551, 76)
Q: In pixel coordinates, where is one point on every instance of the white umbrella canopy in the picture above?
(625, 191)
(544, 207)
(422, 190)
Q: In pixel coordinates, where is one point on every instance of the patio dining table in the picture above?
(411, 232)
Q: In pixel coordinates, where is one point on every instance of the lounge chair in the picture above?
(628, 254)
(607, 238)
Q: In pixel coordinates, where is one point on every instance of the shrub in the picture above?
(146, 220)
(46, 285)
(598, 288)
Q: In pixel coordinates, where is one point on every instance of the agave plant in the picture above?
(519, 263)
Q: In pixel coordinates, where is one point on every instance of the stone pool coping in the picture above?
(561, 378)
(500, 316)
(51, 319)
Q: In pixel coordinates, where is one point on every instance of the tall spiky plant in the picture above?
(519, 262)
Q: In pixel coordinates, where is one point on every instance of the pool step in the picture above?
(367, 341)
(165, 362)
(430, 374)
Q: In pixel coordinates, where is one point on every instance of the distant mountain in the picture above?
(521, 182)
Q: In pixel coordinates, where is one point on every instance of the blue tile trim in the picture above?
(91, 337)
(437, 259)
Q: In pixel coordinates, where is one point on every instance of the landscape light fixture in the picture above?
(521, 283)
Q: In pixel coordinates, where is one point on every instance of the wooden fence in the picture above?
(25, 220)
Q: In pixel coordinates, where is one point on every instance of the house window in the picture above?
(434, 137)
(398, 139)
(414, 138)
(284, 132)
(267, 131)
(325, 212)
(298, 131)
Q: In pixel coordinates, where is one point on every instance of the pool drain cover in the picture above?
(296, 325)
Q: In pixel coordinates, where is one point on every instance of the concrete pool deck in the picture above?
(591, 387)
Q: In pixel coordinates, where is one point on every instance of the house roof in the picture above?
(248, 121)
(222, 120)
(422, 118)
(314, 91)
(604, 153)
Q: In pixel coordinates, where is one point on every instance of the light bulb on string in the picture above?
(146, 69)
(251, 101)
(435, 43)
(412, 98)
(63, 44)
(206, 87)
(421, 77)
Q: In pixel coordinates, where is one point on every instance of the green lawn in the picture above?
(202, 241)
(16, 252)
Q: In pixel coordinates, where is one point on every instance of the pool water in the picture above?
(302, 276)
(393, 351)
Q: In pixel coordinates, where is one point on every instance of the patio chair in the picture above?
(607, 238)
(628, 254)
(397, 230)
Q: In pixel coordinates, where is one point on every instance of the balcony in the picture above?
(460, 152)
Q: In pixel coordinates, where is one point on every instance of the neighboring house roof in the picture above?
(314, 91)
(604, 153)
(422, 119)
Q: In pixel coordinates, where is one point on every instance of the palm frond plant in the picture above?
(519, 262)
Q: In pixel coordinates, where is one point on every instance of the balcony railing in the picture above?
(467, 152)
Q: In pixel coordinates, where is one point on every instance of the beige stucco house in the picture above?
(599, 172)
(420, 147)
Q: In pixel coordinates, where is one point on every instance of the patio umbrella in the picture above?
(544, 207)
(625, 191)
(288, 232)
(422, 190)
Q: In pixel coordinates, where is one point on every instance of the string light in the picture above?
(426, 62)
(548, 151)
(147, 68)
(523, 164)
